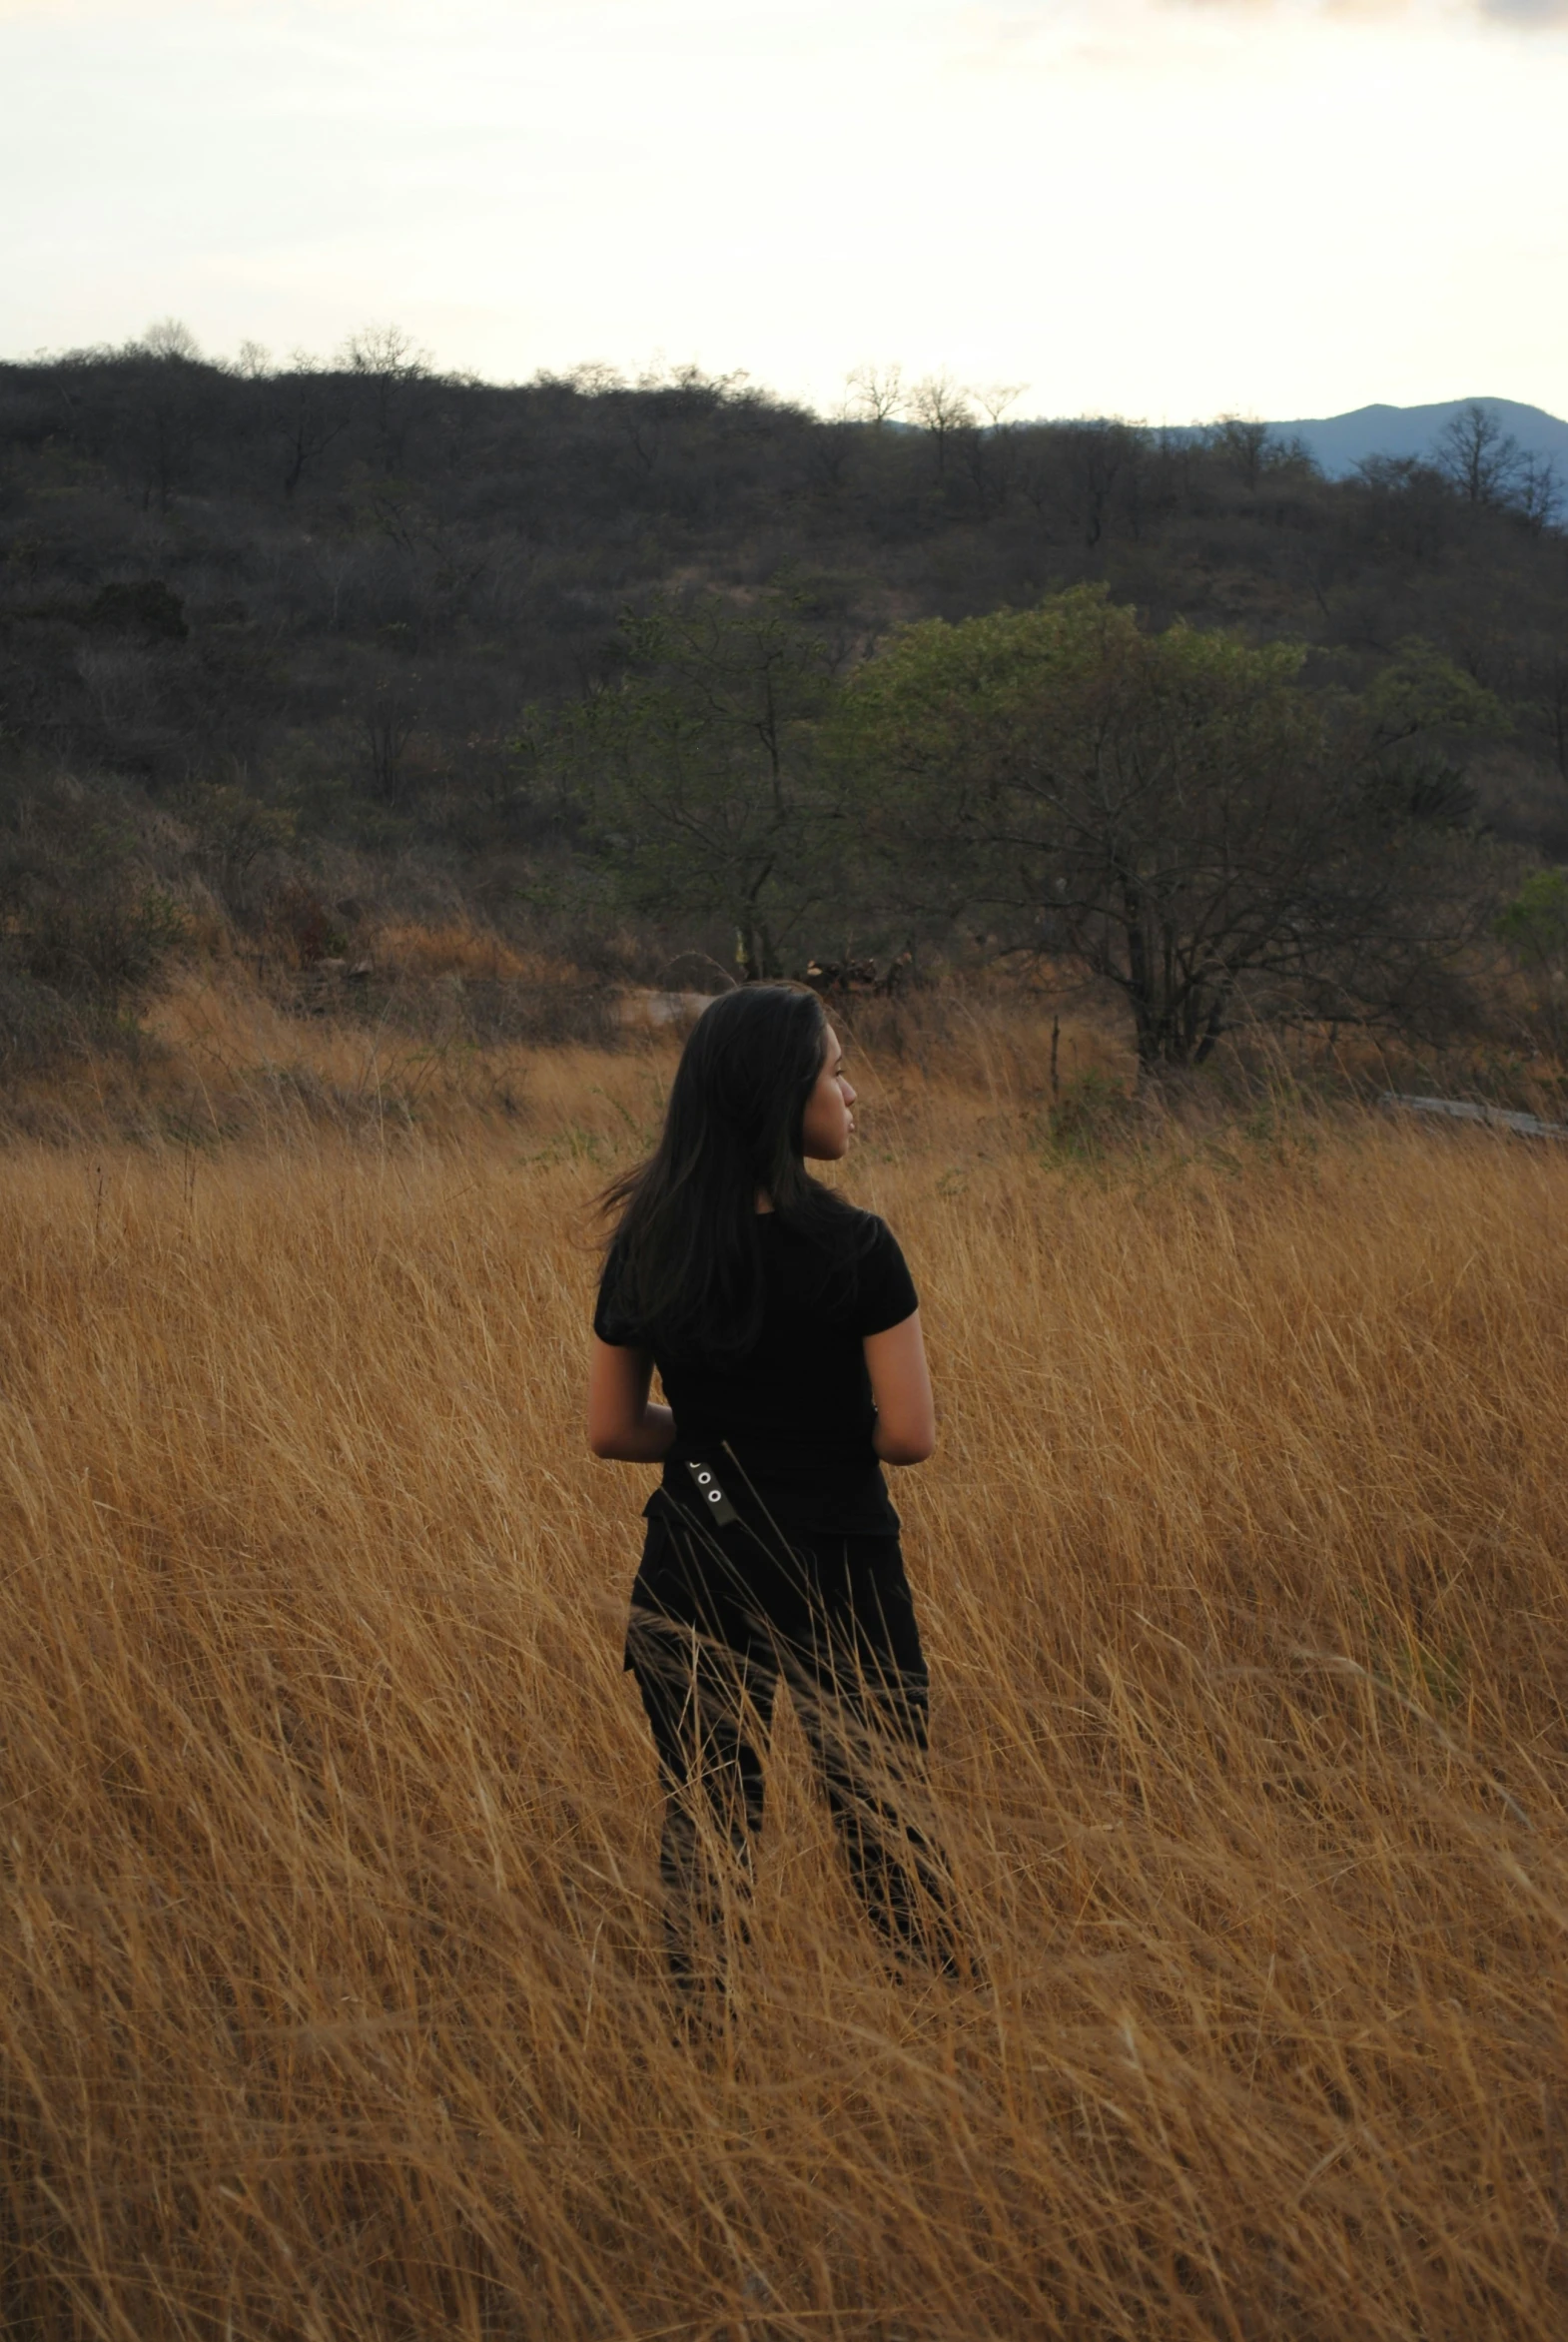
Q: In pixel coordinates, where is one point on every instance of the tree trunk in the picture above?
(1139, 988)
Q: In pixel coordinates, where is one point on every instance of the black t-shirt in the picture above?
(797, 1410)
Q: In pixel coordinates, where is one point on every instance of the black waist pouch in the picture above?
(715, 1559)
(750, 1581)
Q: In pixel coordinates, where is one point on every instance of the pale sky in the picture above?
(1166, 208)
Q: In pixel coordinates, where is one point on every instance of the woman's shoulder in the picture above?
(865, 1277)
(884, 1289)
(835, 1225)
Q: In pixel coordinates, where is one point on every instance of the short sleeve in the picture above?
(884, 1289)
(610, 1320)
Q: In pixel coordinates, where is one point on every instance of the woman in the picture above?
(786, 1333)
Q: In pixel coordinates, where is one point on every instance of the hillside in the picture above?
(282, 639)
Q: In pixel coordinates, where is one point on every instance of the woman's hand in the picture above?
(906, 1428)
(622, 1426)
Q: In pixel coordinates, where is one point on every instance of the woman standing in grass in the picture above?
(786, 1333)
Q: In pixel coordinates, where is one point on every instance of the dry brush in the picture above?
(331, 1994)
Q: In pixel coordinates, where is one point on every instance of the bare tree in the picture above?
(1539, 493)
(1482, 459)
(997, 400)
(942, 409)
(595, 378)
(874, 393)
(991, 448)
(1082, 470)
(389, 361)
(1243, 442)
(162, 411)
(170, 338)
(386, 353)
(308, 410)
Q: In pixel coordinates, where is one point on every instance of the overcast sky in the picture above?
(1166, 208)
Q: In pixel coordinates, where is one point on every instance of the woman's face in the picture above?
(828, 1123)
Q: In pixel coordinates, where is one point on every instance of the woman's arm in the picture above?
(622, 1426)
(906, 1430)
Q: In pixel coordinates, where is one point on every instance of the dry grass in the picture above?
(432, 1048)
(330, 2000)
(459, 950)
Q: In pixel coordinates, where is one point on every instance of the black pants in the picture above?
(720, 1618)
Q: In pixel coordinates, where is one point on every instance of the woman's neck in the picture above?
(764, 1200)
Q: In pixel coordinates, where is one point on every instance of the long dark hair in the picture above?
(687, 1251)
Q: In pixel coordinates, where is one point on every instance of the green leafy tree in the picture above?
(694, 774)
(1534, 926)
(1174, 811)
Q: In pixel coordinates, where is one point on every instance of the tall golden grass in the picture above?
(331, 2000)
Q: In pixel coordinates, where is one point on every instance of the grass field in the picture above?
(330, 1996)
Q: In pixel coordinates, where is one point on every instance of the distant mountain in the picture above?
(1339, 443)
